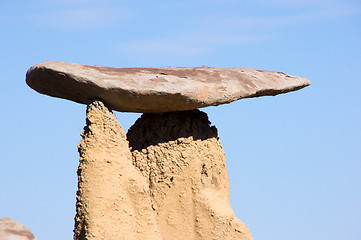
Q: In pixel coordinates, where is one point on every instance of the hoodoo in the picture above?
(167, 178)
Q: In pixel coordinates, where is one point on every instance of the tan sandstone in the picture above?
(170, 184)
(182, 156)
(113, 200)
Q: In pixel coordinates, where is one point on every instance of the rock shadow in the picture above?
(154, 128)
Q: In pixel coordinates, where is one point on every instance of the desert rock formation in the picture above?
(170, 184)
(13, 230)
(157, 89)
(167, 178)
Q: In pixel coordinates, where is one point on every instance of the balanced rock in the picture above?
(13, 230)
(151, 90)
(167, 178)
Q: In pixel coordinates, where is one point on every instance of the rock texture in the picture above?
(13, 230)
(113, 200)
(182, 157)
(157, 89)
(170, 184)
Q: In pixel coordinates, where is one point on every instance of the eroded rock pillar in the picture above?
(113, 200)
(181, 155)
(171, 183)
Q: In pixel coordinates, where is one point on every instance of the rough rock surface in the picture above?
(157, 89)
(113, 200)
(13, 230)
(183, 159)
(171, 184)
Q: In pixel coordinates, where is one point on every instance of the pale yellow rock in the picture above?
(113, 200)
(170, 184)
(183, 159)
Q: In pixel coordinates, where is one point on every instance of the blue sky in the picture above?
(294, 160)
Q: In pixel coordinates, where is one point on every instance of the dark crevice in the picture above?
(154, 128)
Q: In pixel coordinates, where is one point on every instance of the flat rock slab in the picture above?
(163, 89)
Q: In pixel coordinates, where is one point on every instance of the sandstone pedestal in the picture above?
(170, 184)
(181, 155)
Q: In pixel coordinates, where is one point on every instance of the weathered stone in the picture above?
(113, 200)
(171, 183)
(13, 230)
(157, 89)
(182, 156)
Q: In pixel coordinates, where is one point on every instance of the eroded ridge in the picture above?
(181, 155)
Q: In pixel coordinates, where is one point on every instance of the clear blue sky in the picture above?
(294, 160)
